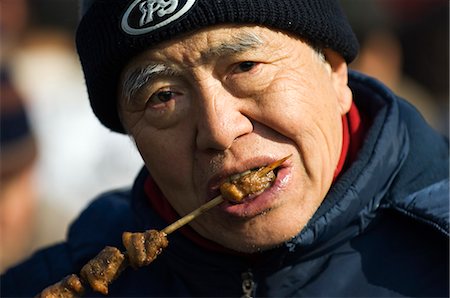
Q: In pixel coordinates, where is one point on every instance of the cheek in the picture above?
(168, 159)
(166, 155)
(309, 115)
(162, 136)
(295, 106)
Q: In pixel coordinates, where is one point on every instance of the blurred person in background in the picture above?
(77, 155)
(423, 30)
(18, 195)
(18, 148)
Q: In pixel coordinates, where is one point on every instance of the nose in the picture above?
(220, 120)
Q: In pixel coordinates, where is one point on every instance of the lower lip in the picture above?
(261, 203)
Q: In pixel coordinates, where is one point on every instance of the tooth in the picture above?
(238, 175)
(244, 173)
(234, 177)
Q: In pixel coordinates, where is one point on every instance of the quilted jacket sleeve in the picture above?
(101, 224)
(38, 272)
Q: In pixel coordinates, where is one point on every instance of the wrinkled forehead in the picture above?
(220, 42)
(199, 48)
(215, 41)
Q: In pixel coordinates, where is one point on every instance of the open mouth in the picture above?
(249, 184)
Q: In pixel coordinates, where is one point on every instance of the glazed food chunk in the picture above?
(103, 269)
(239, 187)
(69, 287)
(249, 184)
(143, 248)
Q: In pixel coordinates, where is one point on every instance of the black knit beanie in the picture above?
(111, 32)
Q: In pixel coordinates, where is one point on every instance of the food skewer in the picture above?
(217, 200)
(143, 248)
(252, 183)
(265, 170)
(191, 216)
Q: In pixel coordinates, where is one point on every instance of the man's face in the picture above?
(229, 99)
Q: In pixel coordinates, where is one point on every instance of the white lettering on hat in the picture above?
(146, 10)
(161, 7)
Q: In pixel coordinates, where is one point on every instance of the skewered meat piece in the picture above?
(143, 248)
(69, 287)
(250, 183)
(103, 269)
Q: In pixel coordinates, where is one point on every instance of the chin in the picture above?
(250, 248)
(252, 236)
(245, 245)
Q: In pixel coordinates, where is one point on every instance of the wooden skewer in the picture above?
(189, 217)
(272, 166)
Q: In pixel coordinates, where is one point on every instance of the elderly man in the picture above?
(213, 88)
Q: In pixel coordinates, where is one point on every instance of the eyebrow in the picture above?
(139, 77)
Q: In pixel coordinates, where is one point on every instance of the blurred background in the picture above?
(55, 155)
(44, 101)
(405, 44)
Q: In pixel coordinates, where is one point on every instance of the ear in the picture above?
(339, 77)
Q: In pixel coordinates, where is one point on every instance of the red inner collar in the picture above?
(166, 211)
(353, 131)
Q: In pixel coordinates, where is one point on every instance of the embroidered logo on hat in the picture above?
(144, 16)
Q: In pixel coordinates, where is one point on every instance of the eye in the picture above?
(246, 66)
(161, 98)
(164, 96)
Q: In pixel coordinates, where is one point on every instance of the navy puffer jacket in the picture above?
(381, 231)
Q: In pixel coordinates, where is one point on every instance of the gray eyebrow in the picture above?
(139, 77)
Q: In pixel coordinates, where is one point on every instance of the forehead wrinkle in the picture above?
(239, 43)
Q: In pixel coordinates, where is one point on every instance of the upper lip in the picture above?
(220, 177)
